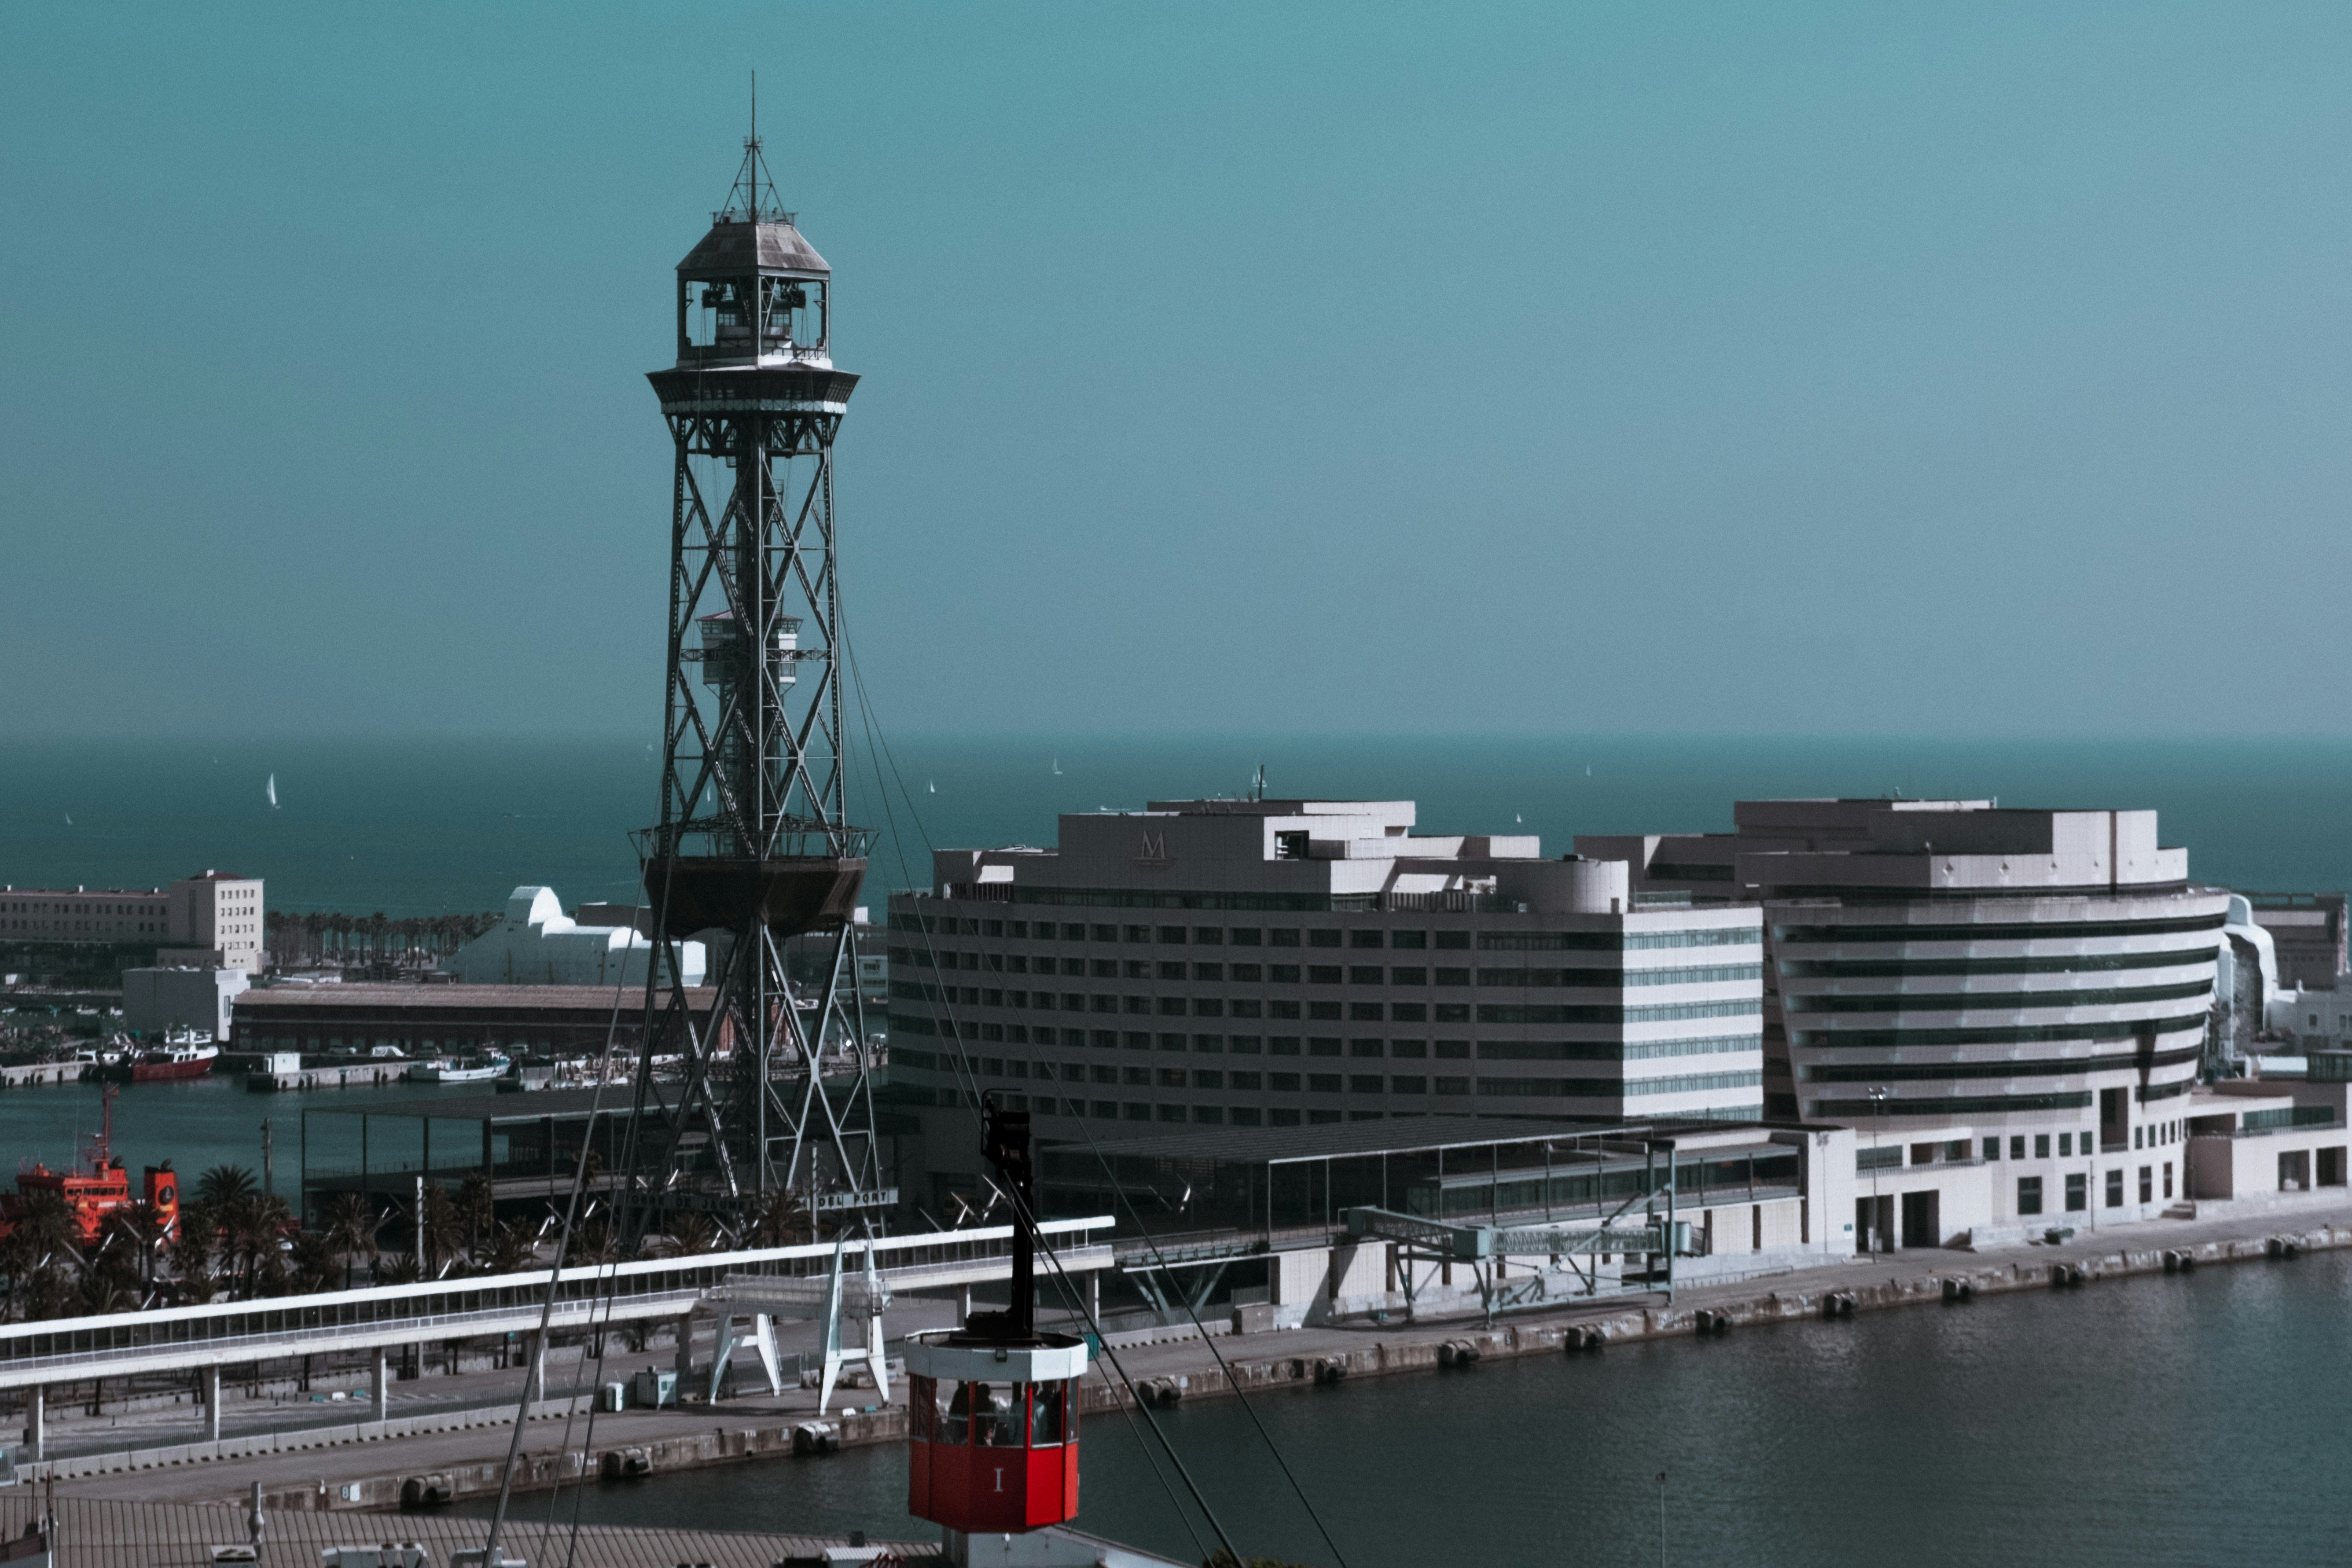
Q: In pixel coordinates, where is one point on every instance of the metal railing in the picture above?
(220, 1333)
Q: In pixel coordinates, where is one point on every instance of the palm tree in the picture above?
(42, 1257)
(352, 1224)
(225, 1184)
(514, 1247)
(312, 1264)
(478, 1210)
(398, 1269)
(691, 1233)
(439, 1234)
(780, 1221)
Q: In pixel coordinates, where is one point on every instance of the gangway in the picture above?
(590, 1298)
(1571, 1250)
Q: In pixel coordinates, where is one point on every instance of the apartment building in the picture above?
(213, 918)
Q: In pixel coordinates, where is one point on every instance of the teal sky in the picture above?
(1794, 368)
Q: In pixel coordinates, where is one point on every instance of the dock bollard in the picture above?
(1330, 1368)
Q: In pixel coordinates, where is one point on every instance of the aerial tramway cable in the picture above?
(879, 748)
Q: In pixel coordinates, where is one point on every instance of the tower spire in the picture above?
(753, 196)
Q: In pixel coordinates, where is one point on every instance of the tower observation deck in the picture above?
(753, 845)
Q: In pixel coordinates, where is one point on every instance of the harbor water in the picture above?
(2184, 1420)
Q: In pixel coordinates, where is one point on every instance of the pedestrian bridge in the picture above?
(588, 1298)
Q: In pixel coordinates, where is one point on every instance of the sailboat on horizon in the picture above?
(271, 789)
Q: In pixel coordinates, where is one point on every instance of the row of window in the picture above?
(2024, 930)
(1995, 1001)
(1324, 1010)
(1326, 936)
(2078, 1189)
(1332, 1045)
(1997, 1034)
(1320, 974)
(2064, 964)
(2061, 1066)
(1250, 1082)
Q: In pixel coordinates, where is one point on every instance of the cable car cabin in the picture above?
(993, 1431)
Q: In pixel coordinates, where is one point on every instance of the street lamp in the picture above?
(1877, 1127)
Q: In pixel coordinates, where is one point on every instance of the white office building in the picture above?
(1217, 962)
(536, 944)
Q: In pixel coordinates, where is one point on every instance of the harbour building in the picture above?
(1282, 962)
(2016, 1001)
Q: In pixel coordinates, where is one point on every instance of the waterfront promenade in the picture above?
(369, 1475)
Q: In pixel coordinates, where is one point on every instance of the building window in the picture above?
(1409, 1047)
(1452, 1084)
(1247, 1044)
(1322, 1046)
(2168, 1180)
(1366, 1083)
(1213, 1115)
(1322, 937)
(1323, 1083)
(2078, 1186)
(1138, 1112)
(1284, 936)
(1282, 1044)
(1208, 972)
(2029, 1194)
(2116, 1188)
(1364, 1047)
(1992, 1148)
(1286, 1082)
(2147, 1183)
(1209, 936)
(1282, 1116)
(1365, 1012)
(1245, 936)
(1247, 1080)
(1171, 1113)
(2041, 1145)
(1245, 1116)
(1323, 975)
(1204, 1077)
(2066, 1146)
(2017, 1148)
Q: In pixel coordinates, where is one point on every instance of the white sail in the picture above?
(273, 792)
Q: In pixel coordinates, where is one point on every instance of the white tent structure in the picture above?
(538, 944)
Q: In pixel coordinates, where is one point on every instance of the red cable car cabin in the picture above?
(993, 1431)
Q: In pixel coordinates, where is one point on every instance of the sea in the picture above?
(2163, 1421)
(409, 827)
(2180, 1421)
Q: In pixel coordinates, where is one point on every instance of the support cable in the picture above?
(965, 1065)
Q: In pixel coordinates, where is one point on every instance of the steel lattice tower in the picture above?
(753, 846)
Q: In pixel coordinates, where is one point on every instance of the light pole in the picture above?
(1877, 1129)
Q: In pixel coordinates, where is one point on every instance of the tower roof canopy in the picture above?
(735, 245)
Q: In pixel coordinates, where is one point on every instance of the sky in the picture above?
(1345, 369)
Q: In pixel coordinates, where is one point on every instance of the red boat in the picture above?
(167, 1061)
(96, 1187)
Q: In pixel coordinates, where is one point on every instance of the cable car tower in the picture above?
(754, 846)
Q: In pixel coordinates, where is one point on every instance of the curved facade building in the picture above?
(2026, 993)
